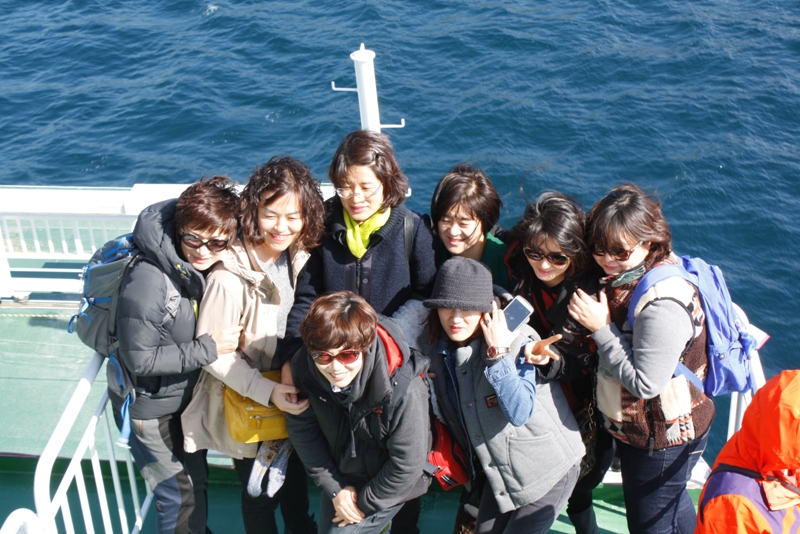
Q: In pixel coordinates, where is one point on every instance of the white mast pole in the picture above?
(367, 91)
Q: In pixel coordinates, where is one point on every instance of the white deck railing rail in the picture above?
(52, 506)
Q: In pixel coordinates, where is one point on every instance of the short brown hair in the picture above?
(208, 205)
(469, 188)
(340, 319)
(373, 150)
(268, 182)
(627, 210)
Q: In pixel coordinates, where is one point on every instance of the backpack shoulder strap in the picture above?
(651, 278)
(408, 228)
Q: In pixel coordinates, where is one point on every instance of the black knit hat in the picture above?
(462, 284)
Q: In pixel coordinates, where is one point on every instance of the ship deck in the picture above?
(40, 365)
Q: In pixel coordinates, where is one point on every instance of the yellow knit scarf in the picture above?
(358, 234)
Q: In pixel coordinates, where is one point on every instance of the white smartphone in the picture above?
(517, 312)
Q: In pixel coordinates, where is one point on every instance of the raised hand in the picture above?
(495, 329)
(540, 353)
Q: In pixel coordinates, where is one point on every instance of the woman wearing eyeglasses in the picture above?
(659, 422)
(281, 219)
(373, 246)
(548, 261)
(366, 437)
(180, 240)
(364, 249)
(465, 208)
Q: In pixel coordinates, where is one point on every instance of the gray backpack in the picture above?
(96, 320)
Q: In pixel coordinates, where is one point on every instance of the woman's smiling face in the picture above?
(280, 222)
(460, 232)
(549, 269)
(366, 190)
(626, 253)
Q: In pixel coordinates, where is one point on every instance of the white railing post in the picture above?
(6, 287)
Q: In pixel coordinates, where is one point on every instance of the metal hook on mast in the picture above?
(367, 91)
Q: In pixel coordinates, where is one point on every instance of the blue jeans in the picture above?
(654, 487)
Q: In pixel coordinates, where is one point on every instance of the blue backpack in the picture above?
(729, 344)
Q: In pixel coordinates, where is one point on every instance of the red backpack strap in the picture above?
(394, 356)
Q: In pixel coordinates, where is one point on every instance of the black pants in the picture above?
(405, 522)
(258, 513)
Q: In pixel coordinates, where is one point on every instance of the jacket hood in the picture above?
(155, 235)
(241, 261)
(769, 439)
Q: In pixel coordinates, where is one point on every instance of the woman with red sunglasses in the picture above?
(366, 436)
(660, 423)
(280, 212)
(548, 261)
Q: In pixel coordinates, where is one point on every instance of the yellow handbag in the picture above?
(251, 422)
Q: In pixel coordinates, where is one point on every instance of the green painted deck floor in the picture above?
(40, 365)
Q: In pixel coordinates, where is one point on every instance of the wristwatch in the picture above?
(496, 352)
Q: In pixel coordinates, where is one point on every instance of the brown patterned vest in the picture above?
(644, 424)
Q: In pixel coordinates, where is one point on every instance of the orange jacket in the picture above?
(768, 443)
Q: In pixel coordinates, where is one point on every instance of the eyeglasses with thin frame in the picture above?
(618, 253)
(346, 356)
(213, 245)
(537, 255)
(347, 193)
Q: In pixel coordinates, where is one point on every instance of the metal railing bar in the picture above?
(102, 498)
(50, 246)
(83, 499)
(35, 237)
(123, 516)
(77, 237)
(22, 244)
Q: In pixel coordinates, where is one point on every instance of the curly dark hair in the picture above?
(268, 182)
(628, 211)
(373, 150)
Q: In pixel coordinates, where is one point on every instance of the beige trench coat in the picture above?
(237, 292)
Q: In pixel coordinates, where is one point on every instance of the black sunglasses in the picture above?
(537, 255)
(347, 356)
(618, 253)
(213, 245)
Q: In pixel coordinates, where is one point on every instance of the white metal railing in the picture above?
(49, 506)
(41, 252)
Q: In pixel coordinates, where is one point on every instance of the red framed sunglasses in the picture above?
(346, 357)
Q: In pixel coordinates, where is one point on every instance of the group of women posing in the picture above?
(380, 319)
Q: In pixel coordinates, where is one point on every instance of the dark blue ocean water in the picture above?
(698, 101)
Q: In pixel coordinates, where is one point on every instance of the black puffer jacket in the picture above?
(382, 276)
(163, 356)
(376, 437)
